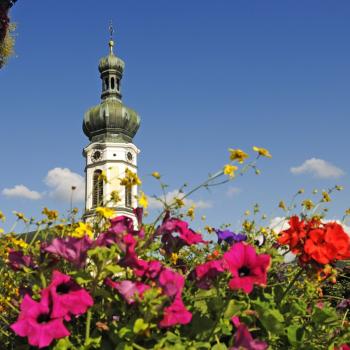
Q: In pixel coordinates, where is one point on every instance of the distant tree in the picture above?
(6, 28)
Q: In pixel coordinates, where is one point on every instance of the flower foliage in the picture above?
(118, 283)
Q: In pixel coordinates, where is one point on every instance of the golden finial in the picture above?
(111, 41)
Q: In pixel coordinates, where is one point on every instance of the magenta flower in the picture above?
(205, 273)
(131, 259)
(71, 249)
(121, 225)
(175, 314)
(153, 269)
(67, 296)
(243, 338)
(128, 289)
(247, 267)
(171, 282)
(17, 260)
(186, 236)
(36, 322)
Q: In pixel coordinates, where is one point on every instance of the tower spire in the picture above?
(111, 41)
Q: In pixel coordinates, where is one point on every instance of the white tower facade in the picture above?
(110, 127)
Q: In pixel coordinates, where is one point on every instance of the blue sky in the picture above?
(203, 75)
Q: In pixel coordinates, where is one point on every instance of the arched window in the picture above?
(112, 83)
(118, 84)
(128, 197)
(106, 84)
(97, 189)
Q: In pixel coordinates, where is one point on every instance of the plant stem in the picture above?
(297, 275)
(136, 346)
(88, 324)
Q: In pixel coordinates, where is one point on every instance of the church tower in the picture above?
(110, 127)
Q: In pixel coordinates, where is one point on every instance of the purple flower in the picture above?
(243, 338)
(71, 249)
(230, 237)
(345, 303)
(17, 260)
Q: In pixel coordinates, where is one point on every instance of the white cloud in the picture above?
(21, 191)
(318, 168)
(60, 182)
(233, 191)
(200, 204)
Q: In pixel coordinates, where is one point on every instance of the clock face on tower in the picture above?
(96, 155)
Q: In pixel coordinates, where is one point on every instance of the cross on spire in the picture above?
(111, 41)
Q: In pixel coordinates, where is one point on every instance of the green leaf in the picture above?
(140, 325)
(63, 344)
(219, 347)
(271, 318)
(295, 334)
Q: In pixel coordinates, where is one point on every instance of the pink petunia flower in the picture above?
(247, 267)
(205, 273)
(243, 338)
(175, 314)
(171, 282)
(67, 296)
(186, 236)
(36, 322)
(128, 289)
(71, 249)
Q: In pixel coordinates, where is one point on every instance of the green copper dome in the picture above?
(111, 120)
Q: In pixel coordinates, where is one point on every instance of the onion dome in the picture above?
(111, 120)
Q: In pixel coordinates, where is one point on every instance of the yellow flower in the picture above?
(156, 175)
(282, 205)
(50, 214)
(179, 202)
(230, 170)
(209, 229)
(308, 204)
(247, 225)
(238, 154)
(20, 216)
(143, 200)
(115, 197)
(301, 191)
(262, 152)
(326, 197)
(339, 188)
(105, 212)
(173, 258)
(19, 242)
(130, 179)
(247, 213)
(82, 230)
(190, 213)
(103, 176)
(347, 211)
(2, 216)
(203, 217)
(1, 230)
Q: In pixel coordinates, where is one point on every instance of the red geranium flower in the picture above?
(35, 321)
(246, 267)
